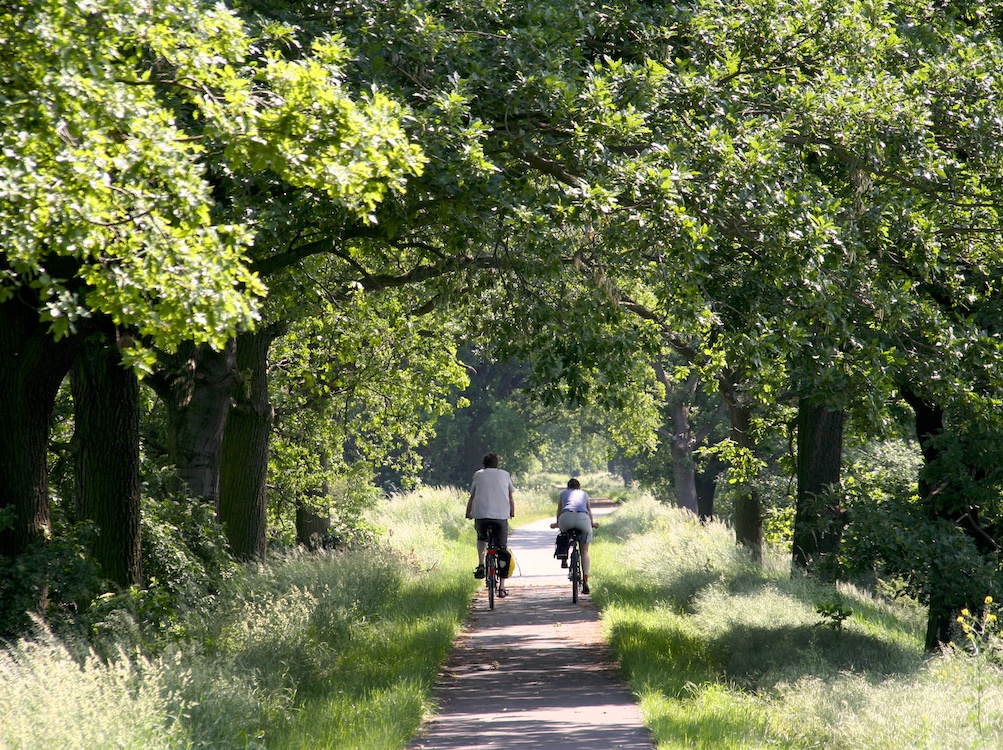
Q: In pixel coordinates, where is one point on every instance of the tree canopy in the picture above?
(292, 218)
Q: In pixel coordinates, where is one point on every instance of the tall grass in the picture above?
(335, 650)
(727, 653)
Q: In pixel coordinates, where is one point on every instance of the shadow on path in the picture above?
(534, 672)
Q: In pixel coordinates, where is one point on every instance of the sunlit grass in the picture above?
(380, 690)
(50, 700)
(341, 650)
(727, 653)
(331, 650)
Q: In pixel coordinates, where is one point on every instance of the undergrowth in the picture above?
(333, 649)
(725, 652)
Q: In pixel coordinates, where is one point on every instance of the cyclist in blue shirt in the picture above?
(574, 511)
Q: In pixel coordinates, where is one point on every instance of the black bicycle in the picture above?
(491, 578)
(575, 563)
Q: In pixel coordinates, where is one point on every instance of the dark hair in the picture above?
(574, 484)
(490, 460)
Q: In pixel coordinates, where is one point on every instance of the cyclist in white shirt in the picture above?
(492, 500)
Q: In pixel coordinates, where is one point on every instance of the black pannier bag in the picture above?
(561, 552)
(506, 563)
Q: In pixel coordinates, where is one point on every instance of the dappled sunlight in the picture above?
(731, 655)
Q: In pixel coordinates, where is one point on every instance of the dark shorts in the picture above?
(501, 530)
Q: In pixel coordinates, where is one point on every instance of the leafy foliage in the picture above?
(356, 388)
(109, 111)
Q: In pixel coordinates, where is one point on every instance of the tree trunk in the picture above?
(623, 467)
(929, 425)
(474, 449)
(32, 366)
(748, 508)
(313, 525)
(818, 519)
(243, 497)
(682, 441)
(106, 443)
(706, 487)
(196, 386)
(683, 468)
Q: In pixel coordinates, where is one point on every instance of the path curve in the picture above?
(535, 672)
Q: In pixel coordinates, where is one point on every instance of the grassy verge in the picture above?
(724, 653)
(337, 650)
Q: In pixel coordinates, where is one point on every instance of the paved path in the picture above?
(534, 672)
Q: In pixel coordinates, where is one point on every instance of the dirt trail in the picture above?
(534, 672)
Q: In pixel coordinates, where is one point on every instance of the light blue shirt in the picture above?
(575, 501)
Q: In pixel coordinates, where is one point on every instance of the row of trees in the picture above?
(284, 218)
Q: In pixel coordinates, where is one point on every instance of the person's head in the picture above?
(490, 460)
(574, 484)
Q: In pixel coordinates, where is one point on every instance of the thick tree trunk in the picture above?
(196, 386)
(818, 521)
(682, 442)
(32, 366)
(243, 498)
(106, 443)
(706, 487)
(626, 471)
(948, 501)
(311, 526)
(929, 424)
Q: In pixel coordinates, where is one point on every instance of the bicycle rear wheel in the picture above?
(491, 578)
(491, 566)
(575, 562)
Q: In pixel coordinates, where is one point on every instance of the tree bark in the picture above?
(243, 497)
(929, 427)
(311, 526)
(682, 442)
(748, 507)
(706, 488)
(196, 386)
(818, 522)
(929, 424)
(684, 481)
(106, 444)
(32, 366)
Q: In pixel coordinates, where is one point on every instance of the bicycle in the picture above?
(491, 577)
(574, 563)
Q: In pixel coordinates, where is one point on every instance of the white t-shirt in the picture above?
(491, 488)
